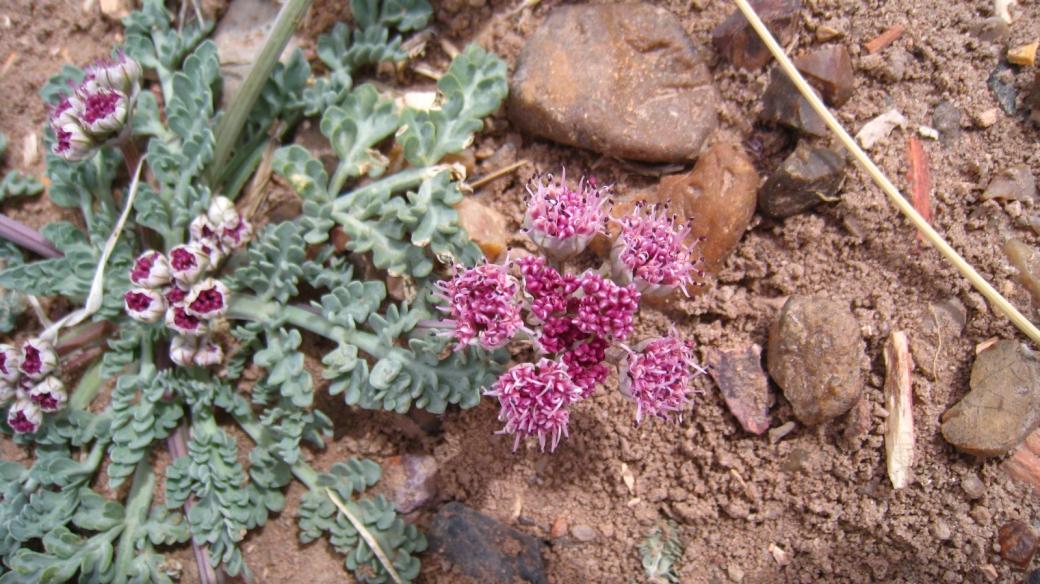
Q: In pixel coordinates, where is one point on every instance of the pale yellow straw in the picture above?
(904, 206)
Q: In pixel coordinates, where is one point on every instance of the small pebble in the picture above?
(973, 487)
(777, 434)
(829, 69)
(583, 533)
(559, 527)
(928, 132)
(735, 573)
(992, 30)
(784, 104)
(947, 120)
(1017, 543)
(826, 33)
(796, 461)
(988, 117)
(1023, 55)
(1034, 577)
(1014, 184)
(989, 571)
(1026, 261)
(739, 44)
(486, 226)
(941, 530)
(808, 177)
(1002, 83)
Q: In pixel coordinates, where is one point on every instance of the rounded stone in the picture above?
(620, 79)
(815, 351)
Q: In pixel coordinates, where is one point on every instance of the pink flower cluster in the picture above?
(29, 377)
(574, 319)
(172, 289)
(656, 375)
(650, 252)
(562, 222)
(99, 111)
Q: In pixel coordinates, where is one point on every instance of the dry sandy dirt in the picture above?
(733, 493)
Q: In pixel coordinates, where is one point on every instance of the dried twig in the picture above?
(368, 537)
(920, 178)
(496, 174)
(884, 39)
(886, 185)
(899, 433)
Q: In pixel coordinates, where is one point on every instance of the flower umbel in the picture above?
(534, 400)
(650, 252)
(49, 394)
(10, 361)
(145, 305)
(151, 270)
(39, 359)
(208, 299)
(483, 304)
(562, 222)
(24, 416)
(656, 375)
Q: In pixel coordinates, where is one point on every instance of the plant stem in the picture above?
(137, 505)
(28, 238)
(234, 120)
(402, 181)
(88, 388)
(83, 336)
(262, 437)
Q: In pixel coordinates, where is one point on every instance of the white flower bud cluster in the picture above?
(174, 289)
(29, 377)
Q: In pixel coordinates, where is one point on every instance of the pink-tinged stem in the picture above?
(177, 443)
(27, 237)
(89, 335)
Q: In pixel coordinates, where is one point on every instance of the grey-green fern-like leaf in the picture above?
(274, 263)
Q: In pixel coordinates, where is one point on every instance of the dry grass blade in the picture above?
(886, 185)
(368, 537)
(899, 431)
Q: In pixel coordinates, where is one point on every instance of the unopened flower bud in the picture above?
(222, 213)
(8, 392)
(24, 416)
(122, 74)
(10, 361)
(233, 238)
(201, 229)
(151, 270)
(49, 394)
(187, 262)
(209, 353)
(145, 305)
(39, 359)
(208, 299)
(183, 349)
(178, 319)
(175, 295)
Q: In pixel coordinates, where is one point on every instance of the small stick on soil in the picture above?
(884, 39)
(498, 173)
(368, 537)
(7, 63)
(899, 431)
(893, 194)
(920, 178)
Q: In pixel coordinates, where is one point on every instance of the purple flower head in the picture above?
(208, 299)
(209, 353)
(10, 361)
(547, 288)
(534, 400)
(151, 270)
(178, 319)
(606, 309)
(650, 252)
(234, 238)
(584, 364)
(175, 295)
(483, 304)
(49, 394)
(187, 263)
(38, 359)
(183, 349)
(24, 416)
(122, 74)
(145, 305)
(656, 375)
(562, 222)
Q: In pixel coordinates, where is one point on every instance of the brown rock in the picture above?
(739, 44)
(830, 70)
(1018, 544)
(1014, 184)
(815, 351)
(1024, 465)
(478, 547)
(719, 194)
(486, 226)
(973, 486)
(411, 480)
(1026, 260)
(940, 324)
(559, 528)
(808, 177)
(859, 420)
(738, 372)
(784, 104)
(1003, 406)
(621, 79)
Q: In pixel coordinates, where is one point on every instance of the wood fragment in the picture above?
(780, 555)
(979, 348)
(11, 58)
(920, 178)
(899, 431)
(628, 478)
(883, 40)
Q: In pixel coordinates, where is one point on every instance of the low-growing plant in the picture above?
(177, 290)
(195, 296)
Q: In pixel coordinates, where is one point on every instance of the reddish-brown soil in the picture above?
(734, 494)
